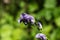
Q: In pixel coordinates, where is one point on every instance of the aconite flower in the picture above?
(41, 36)
(26, 18)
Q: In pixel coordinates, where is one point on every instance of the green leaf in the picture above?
(55, 35)
(47, 29)
(50, 3)
(22, 4)
(48, 15)
(56, 12)
(57, 21)
(33, 7)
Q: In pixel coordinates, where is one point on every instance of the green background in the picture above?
(46, 11)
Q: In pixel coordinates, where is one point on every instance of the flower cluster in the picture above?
(26, 19)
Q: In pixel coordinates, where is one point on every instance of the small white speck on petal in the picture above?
(37, 35)
(19, 21)
(33, 21)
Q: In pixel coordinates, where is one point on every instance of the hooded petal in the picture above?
(41, 36)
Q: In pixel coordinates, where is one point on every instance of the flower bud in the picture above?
(39, 25)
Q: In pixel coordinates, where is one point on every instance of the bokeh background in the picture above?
(45, 11)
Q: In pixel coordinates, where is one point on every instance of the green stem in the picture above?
(29, 31)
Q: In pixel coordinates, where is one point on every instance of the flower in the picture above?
(26, 18)
(39, 25)
(41, 36)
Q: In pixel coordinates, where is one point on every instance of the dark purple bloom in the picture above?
(41, 36)
(26, 18)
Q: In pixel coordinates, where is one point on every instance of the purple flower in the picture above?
(25, 18)
(39, 25)
(41, 36)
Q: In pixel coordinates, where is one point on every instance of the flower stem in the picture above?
(29, 31)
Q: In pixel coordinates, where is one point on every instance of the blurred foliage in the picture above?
(45, 11)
